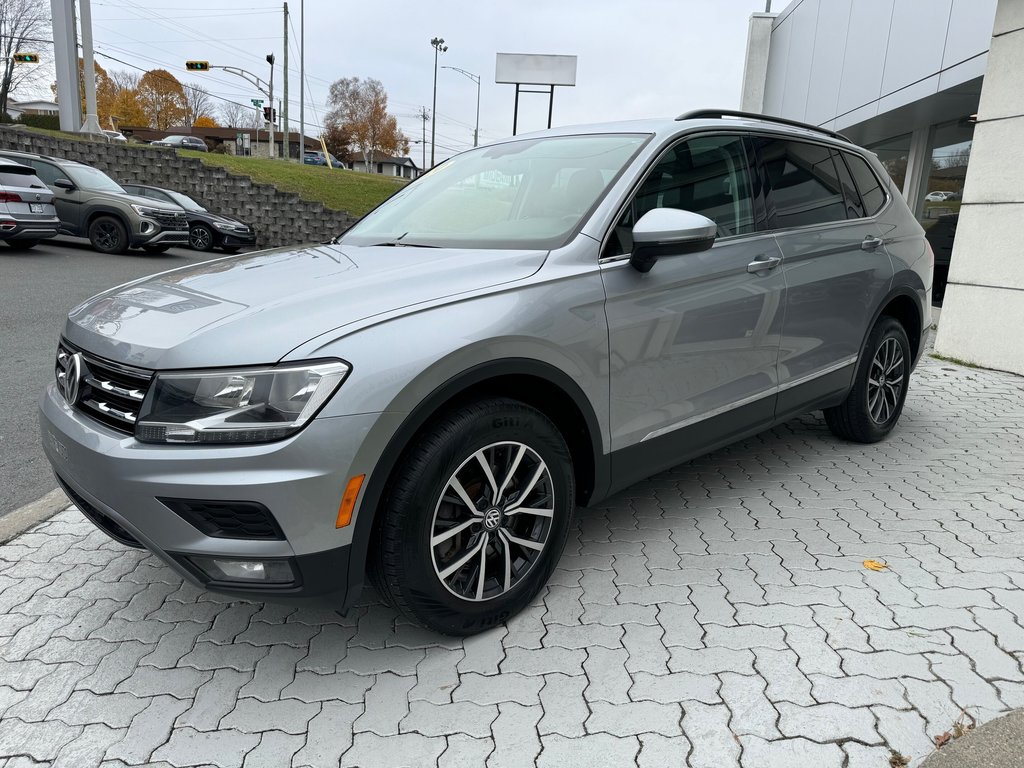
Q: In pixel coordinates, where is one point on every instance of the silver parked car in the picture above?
(526, 329)
(27, 213)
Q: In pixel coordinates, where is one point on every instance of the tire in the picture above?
(22, 245)
(874, 404)
(155, 248)
(439, 585)
(200, 238)
(108, 235)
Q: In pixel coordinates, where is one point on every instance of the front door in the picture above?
(68, 202)
(694, 343)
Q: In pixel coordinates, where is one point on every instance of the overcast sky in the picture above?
(637, 58)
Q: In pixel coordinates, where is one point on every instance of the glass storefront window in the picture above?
(894, 154)
(944, 188)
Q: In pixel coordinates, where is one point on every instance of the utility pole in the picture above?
(424, 115)
(302, 80)
(92, 122)
(270, 61)
(286, 144)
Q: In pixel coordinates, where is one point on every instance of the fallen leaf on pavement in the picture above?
(875, 565)
(943, 738)
(896, 760)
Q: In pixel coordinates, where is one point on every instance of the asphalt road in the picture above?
(37, 288)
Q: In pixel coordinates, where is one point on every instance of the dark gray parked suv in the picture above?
(526, 329)
(91, 204)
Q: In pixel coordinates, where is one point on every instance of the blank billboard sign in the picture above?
(535, 69)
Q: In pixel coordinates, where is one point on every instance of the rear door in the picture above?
(694, 342)
(835, 266)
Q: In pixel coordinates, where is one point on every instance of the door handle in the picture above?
(763, 264)
(870, 243)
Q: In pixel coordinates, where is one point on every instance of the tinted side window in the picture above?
(706, 175)
(870, 187)
(47, 173)
(803, 186)
(854, 206)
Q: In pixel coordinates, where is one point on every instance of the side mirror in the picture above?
(64, 184)
(669, 232)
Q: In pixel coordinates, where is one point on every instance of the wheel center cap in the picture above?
(492, 518)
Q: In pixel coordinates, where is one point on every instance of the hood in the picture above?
(148, 202)
(255, 308)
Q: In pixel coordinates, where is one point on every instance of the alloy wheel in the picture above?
(885, 381)
(492, 521)
(199, 238)
(107, 235)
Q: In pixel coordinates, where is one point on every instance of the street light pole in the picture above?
(475, 79)
(439, 47)
(270, 61)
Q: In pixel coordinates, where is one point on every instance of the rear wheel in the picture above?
(108, 235)
(200, 238)
(476, 517)
(22, 245)
(875, 402)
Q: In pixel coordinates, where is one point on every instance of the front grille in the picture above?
(227, 519)
(109, 392)
(106, 524)
(169, 219)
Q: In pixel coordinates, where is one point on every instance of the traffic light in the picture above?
(26, 58)
(270, 115)
(197, 66)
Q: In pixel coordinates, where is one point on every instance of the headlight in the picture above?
(253, 405)
(224, 225)
(144, 210)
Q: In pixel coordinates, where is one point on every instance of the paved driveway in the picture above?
(715, 615)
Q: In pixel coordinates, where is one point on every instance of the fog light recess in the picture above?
(245, 571)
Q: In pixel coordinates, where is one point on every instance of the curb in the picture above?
(33, 513)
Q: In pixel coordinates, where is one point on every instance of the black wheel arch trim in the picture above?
(96, 211)
(373, 494)
(905, 291)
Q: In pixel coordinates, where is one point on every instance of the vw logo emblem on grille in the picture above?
(72, 378)
(492, 518)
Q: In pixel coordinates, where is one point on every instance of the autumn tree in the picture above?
(126, 106)
(360, 109)
(23, 25)
(205, 121)
(337, 140)
(163, 99)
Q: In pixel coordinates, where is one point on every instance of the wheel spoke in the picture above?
(522, 542)
(456, 486)
(473, 552)
(508, 567)
(511, 471)
(531, 511)
(454, 530)
(542, 468)
(483, 571)
(486, 467)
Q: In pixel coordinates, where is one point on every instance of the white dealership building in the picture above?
(935, 89)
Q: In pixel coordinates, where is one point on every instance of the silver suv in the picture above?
(526, 329)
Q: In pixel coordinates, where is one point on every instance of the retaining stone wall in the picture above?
(280, 218)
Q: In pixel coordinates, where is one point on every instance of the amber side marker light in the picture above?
(348, 501)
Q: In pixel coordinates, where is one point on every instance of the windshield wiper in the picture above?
(396, 244)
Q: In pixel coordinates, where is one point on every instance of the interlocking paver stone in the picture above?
(716, 603)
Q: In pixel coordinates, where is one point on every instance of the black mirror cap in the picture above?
(64, 184)
(644, 257)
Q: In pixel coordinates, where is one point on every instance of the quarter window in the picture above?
(709, 175)
(803, 185)
(854, 206)
(870, 187)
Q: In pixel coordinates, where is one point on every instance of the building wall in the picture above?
(983, 312)
(837, 63)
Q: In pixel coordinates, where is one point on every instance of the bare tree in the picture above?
(234, 115)
(360, 109)
(198, 103)
(24, 27)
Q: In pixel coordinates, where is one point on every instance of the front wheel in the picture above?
(200, 238)
(476, 517)
(108, 235)
(875, 402)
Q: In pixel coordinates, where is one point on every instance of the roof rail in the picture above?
(703, 114)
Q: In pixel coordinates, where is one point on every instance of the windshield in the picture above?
(185, 201)
(530, 193)
(92, 178)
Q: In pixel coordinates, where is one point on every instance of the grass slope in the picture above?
(336, 188)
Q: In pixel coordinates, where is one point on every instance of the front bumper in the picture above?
(115, 479)
(162, 237)
(232, 239)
